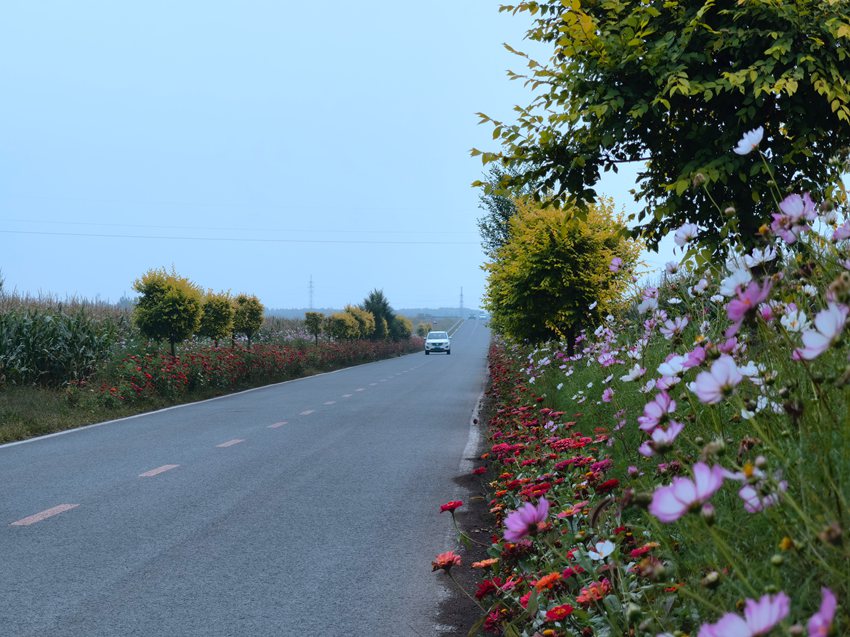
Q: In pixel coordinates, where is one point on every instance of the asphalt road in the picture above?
(305, 508)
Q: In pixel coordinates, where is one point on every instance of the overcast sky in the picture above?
(251, 145)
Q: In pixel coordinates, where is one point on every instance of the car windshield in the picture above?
(437, 335)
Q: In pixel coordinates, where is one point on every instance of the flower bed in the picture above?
(684, 468)
(155, 374)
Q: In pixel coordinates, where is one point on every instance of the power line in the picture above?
(237, 240)
(226, 229)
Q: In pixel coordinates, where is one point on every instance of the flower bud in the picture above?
(796, 631)
(831, 534)
(708, 513)
(730, 212)
(698, 180)
(777, 560)
(761, 462)
(711, 580)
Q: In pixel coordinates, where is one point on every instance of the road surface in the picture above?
(305, 508)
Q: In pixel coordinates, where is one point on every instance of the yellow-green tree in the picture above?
(342, 326)
(365, 320)
(400, 328)
(247, 316)
(169, 307)
(216, 316)
(554, 277)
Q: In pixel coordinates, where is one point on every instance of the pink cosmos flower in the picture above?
(792, 221)
(750, 141)
(616, 264)
(756, 500)
(820, 623)
(662, 439)
(694, 358)
(829, 324)
(746, 303)
(674, 327)
(759, 618)
(712, 386)
(607, 395)
(656, 411)
(841, 232)
(683, 494)
(525, 520)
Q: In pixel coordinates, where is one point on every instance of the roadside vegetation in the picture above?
(69, 363)
(672, 459)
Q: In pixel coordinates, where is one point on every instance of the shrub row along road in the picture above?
(310, 507)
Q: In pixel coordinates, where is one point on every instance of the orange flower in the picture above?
(485, 563)
(547, 581)
(445, 561)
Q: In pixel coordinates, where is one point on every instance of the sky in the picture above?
(253, 146)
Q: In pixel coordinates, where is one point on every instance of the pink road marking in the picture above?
(158, 470)
(306, 412)
(230, 443)
(330, 402)
(49, 513)
(277, 424)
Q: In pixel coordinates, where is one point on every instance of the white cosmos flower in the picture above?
(634, 373)
(685, 234)
(760, 256)
(603, 550)
(795, 321)
(810, 290)
(750, 141)
(736, 279)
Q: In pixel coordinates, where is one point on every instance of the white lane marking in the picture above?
(347, 395)
(230, 443)
(372, 384)
(277, 424)
(43, 515)
(330, 402)
(307, 412)
(360, 389)
(158, 470)
(469, 459)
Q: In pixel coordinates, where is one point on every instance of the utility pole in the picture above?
(461, 301)
(311, 292)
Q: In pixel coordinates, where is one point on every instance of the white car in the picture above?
(438, 342)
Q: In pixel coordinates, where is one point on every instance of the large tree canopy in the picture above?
(673, 85)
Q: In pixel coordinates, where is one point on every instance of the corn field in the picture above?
(44, 342)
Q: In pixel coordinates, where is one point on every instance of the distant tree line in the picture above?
(374, 319)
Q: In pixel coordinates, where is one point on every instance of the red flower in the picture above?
(558, 613)
(451, 506)
(608, 485)
(479, 471)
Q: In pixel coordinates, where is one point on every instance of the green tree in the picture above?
(498, 206)
(314, 321)
(342, 326)
(365, 320)
(216, 316)
(401, 328)
(379, 306)
(247, 316)
(554, 277)
(673, 86)
(169, 307)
